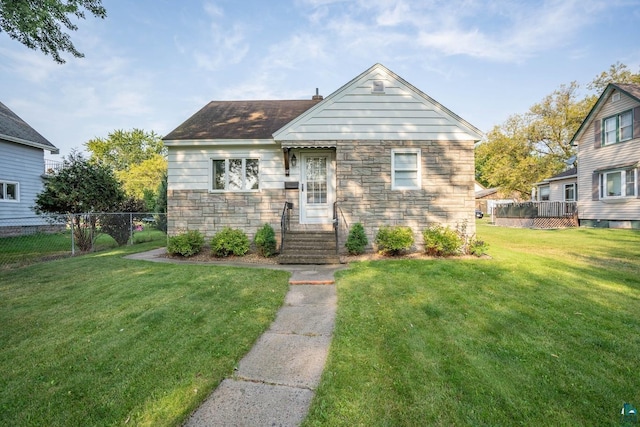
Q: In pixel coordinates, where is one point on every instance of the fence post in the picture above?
(73, 242)
(130, 228)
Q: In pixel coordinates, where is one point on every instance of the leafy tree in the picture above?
(138, 157)
(80, 187)
(530, 147)
(617, 73)
(143, 178)
(161, 205)
(37, 24)
(122, 149)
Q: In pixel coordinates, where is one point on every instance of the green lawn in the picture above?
(547, 332)
(22, 250)
(101, 340)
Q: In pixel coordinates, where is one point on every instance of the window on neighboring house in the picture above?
(545, 193)
(617, 128)
(405, 169)
(618, 183)
(235, 174)
(570, 192)
(9, 191)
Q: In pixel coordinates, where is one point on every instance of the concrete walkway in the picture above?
(275, 382)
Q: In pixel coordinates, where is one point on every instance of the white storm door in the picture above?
(316, 190)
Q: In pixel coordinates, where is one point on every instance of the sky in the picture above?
(151, 64)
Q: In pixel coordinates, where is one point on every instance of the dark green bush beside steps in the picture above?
(186, 244)
(356, 240)
(265, 241)
(229, 241)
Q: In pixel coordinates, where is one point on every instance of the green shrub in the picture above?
(186, 244)
(356, 240)
(393, 240)
(265, 241)
(229, 241)
(478, 247)
(441, 241)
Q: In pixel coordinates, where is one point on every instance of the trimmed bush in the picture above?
(441, 241)
(186, 244)
(356, 240)
(229, 241)
(394, 240)
(265, 241)
(478, 247)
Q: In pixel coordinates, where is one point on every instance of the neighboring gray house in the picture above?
(376, 151)
(608, 144)
(22, 168)
(562, 187)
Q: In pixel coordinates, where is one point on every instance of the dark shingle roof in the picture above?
(240, 119)
(14, 129)
(631, 89)
(565, 174)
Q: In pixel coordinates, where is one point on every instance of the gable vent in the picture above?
(378, 86)
(615, 97)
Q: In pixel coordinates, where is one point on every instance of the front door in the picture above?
(316, 189)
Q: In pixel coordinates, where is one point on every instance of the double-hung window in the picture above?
(236, 174)
(9, 191)
(570, 192)
(544, 193)
(405, 169)
(618, 183)
(617, 128)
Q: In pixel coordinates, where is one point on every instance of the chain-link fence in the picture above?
(28, 240)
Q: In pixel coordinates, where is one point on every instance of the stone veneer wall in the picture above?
(210, 212)
(364, 191)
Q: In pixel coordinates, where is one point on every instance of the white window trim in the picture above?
(618, 129)
(226, 160)
(623, 183)
(575, 195)
(546, 187)
(393, 168)
(4, 189)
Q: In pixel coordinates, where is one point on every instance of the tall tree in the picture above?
(37, 24)
(143, 177)
(617, 73)
(80, 187)
(530, 147)
(122, 149)
(137, 157)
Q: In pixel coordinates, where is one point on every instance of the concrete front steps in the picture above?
(309, 247)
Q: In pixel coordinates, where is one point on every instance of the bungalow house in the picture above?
(376, 151)
(562, 187)
(22, 170)
(608, 144)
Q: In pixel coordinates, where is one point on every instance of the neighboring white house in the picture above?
(378, 150)
(22, 170)
(562, 187)
(608, 144)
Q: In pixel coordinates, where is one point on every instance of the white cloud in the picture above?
(224, 44)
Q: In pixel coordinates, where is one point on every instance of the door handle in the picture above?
(302, 187)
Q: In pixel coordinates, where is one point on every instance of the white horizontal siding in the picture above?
(25, 165)
(356, 113)
(591, 159)
(189, 168)
(556, 189)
